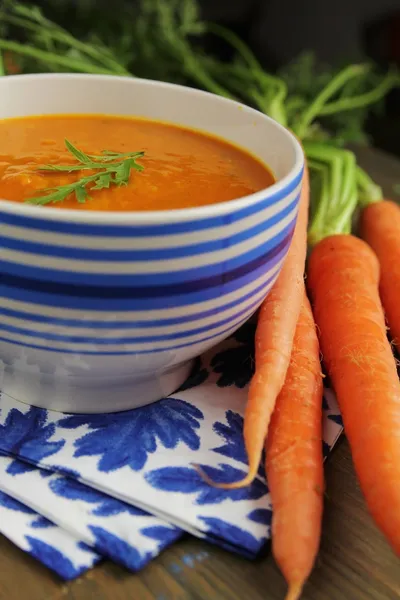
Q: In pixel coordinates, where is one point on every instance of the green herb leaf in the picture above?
(79, 155)
(104, 181)
(81, 194)
(122, 172)
(110, 168)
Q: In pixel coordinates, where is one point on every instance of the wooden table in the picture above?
(355, 563)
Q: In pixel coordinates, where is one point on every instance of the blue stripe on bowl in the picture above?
(59, 296)
(165, 229)
(139, 284)
(20, 290)
(73, 339)
(19, 279)
(107, 324)
(73, 253)
(98, 352)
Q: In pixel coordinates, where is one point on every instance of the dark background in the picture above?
(279, 30)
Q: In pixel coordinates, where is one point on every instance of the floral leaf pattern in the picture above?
(48, 543)
(236, 365)
(105, 505)
(237, 537)
(336, 419)
(186, 480)
(325, 449)
(198, 375)
(111, 526)
(27, 434)
(127, 555)
(42, 523)
(17, 467)
(61, 470)
(126, 439)
(13, 504)
(161, 533)
(232, 434)
(53, 558)
(261, 515)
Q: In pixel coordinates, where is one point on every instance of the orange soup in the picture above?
(180, 168)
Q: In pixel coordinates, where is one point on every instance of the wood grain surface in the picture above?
(355, 562)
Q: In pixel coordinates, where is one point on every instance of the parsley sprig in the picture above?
(112, 168)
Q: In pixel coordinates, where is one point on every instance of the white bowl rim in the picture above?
(128, 218)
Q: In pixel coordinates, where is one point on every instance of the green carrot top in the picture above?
(334, 193)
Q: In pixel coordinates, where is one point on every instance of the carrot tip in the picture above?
(294, 591)
(224, 486)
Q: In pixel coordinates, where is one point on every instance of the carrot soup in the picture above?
(106, 163)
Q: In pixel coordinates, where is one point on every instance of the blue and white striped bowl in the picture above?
(102, 312)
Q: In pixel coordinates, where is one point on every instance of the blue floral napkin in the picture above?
(114, 529)
(144, 458)
(66, 555)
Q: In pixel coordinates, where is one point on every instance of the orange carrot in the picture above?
(380, 227)
(343, 277)
(294, 460)
(276, 326)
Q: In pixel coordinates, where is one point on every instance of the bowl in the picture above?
(103, 312)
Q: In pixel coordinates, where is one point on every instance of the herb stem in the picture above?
(273, 107)
(321, 206)
(198, 74)
(368, 191)
(362, 100)
(238, 81)
(338, 196)
(314, 109)
(56, 33)
(51, 58)
(241, 48)
(112, 168)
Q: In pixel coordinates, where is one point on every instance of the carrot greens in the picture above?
(333, 209)
(164, 41)
(368, 190)
(49, 47)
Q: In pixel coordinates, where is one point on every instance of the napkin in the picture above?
(68, 556)
(114, 529)
(144, 458)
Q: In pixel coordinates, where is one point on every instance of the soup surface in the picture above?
(181, 167)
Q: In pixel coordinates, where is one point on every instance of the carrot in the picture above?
(294, 460)
(276, 326)
(380, 227)
(343, 278)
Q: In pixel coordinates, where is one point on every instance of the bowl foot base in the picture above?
(101, 397)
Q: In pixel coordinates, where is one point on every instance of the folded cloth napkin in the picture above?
(145, 457)
(114, 529)
(66, 555)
